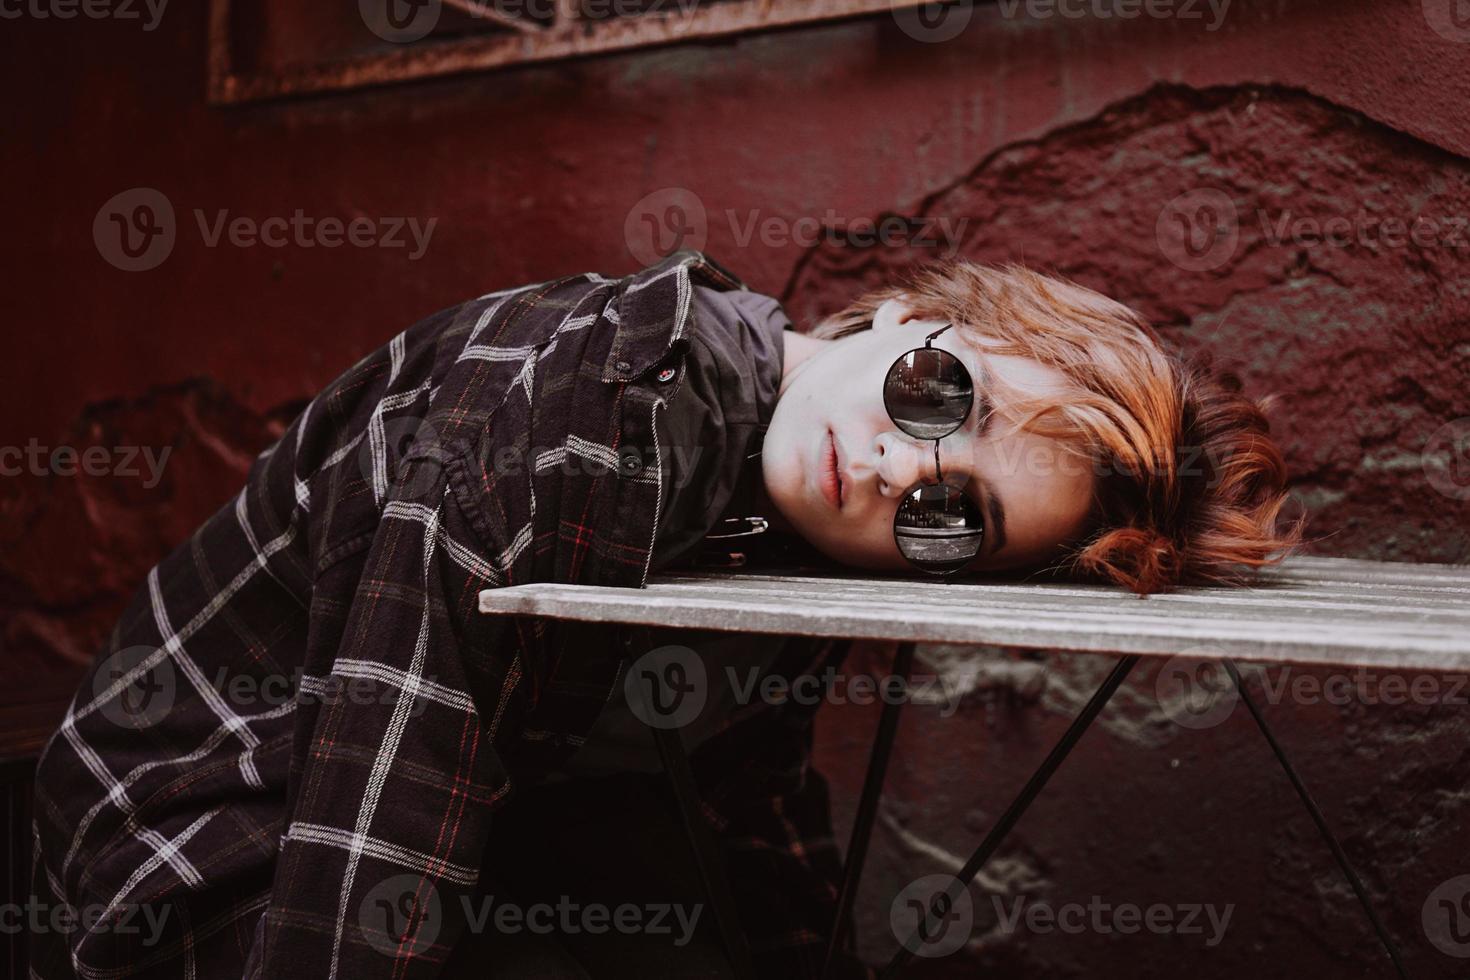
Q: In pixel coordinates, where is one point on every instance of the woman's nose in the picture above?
(902, 462)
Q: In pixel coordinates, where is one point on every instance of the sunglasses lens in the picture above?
(928, 393)
(938, 528)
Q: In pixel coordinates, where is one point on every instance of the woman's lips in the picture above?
(831, 482)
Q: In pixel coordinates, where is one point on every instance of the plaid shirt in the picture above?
(301, 709)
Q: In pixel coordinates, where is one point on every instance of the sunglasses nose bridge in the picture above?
(902, 462)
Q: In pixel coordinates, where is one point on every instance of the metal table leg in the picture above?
(862, 827)
(705, 849)
(942, 902)
(1306, 797)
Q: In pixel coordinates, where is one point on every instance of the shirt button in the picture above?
(667, 374)
(623, 367)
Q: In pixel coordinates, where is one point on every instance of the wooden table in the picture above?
(1328, 612)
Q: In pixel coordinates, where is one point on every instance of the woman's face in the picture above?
(837, 467)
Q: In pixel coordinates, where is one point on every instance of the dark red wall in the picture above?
(1058, 142)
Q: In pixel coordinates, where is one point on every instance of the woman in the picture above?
(304, 753)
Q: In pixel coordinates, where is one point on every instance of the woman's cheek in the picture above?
(868, 546)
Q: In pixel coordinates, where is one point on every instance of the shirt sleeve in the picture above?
(401, 772)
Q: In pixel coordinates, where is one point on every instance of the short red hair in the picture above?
(1190, 484)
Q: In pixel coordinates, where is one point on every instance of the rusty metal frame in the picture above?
(566, 38)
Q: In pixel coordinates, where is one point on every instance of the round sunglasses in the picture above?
(928, 394)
